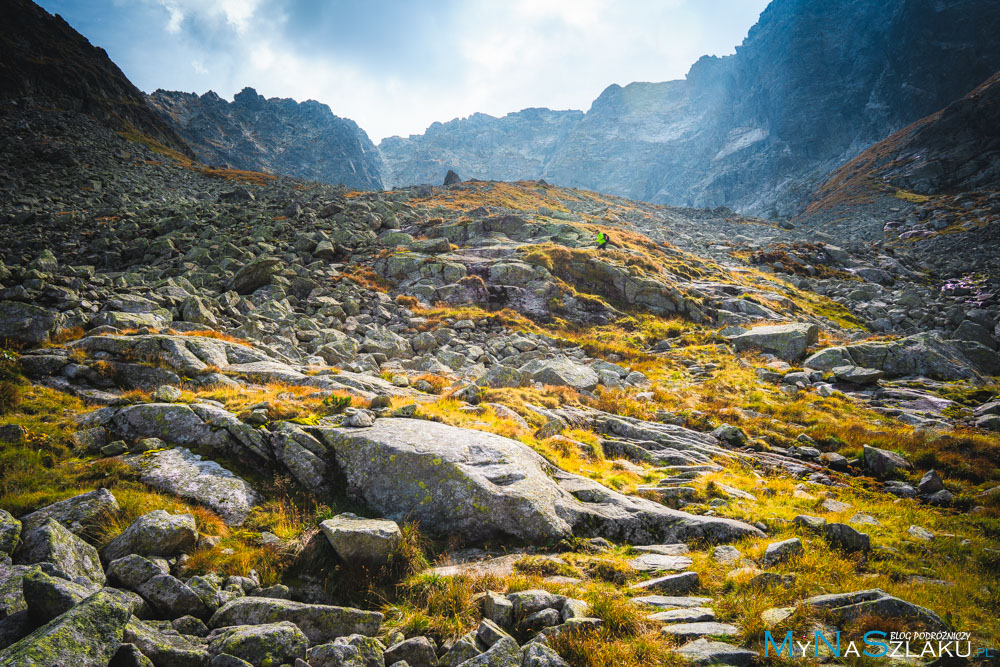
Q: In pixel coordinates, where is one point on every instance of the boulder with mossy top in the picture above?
(484, 486)
(265, 644)
(356, 539)
(52, 543)
(321, 623)
(785, 341)
(87, 635)
(157, 533)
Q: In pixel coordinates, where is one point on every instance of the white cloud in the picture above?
(448, 60)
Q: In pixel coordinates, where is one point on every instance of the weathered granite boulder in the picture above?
(481, 486)
(785, 341)
(88, 635)
(356, 539)
(265, 644)
(76, 513)
(52, 543)
(27, 323)
(320, 623)
(182, 473)
(155, 534)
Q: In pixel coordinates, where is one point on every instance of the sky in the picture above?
(396, 66)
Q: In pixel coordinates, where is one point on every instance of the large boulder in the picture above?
(847, 607)
(48, 596)
(320, 623)
(562, 372)
(925, 354)
(163, 648)
(882, 462)
(76, 513)
(369, 541)
(254, 274)
(785, 341)
(26, 323)
(171, 422)
(181, 472)
(88, 635)
(155, 534)
(52, 543)
(266, 644)
(480, 485)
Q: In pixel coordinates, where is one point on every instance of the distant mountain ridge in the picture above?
(276, 135)
(514, 147)
(813, 84)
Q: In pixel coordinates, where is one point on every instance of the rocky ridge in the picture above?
(278, 136)
(812, 85)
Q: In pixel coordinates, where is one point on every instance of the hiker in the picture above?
(602, 240)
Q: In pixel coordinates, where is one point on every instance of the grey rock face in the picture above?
(785, 341)
(48, 597)
(514, 147)
(562, 372)
(708, 652)
(171, 597)
(754, 131)
(320, 623)
(155, 534)
(357, 539)
(876, 602)
(183, 473)
(883, 462)
(269, 643)
(76, 513)
(86, 636)
(273, 135)
(777, 552)
(27, 323)
(482, 485)
(133, 570)
(10, 532)
(52, 543)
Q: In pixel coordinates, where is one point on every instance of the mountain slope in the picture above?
(932, 188)
(44, 62)
(813, 84)
(274, 135)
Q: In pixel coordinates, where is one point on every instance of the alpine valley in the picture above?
(271, 394)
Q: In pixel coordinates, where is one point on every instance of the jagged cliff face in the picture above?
(813, 84)
(515, 147)
(44, 62)
(275, 135)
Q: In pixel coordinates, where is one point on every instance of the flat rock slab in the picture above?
(483, 486)
(689, 615)
(660, 563)
(183, 473)
(664, 549)
(672, 601)
(708, 629)
(671, 583)
(707, 652)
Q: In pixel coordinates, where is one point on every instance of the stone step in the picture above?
(696, 630)
(689, 615)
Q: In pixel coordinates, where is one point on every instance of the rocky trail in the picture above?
(247, 419)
